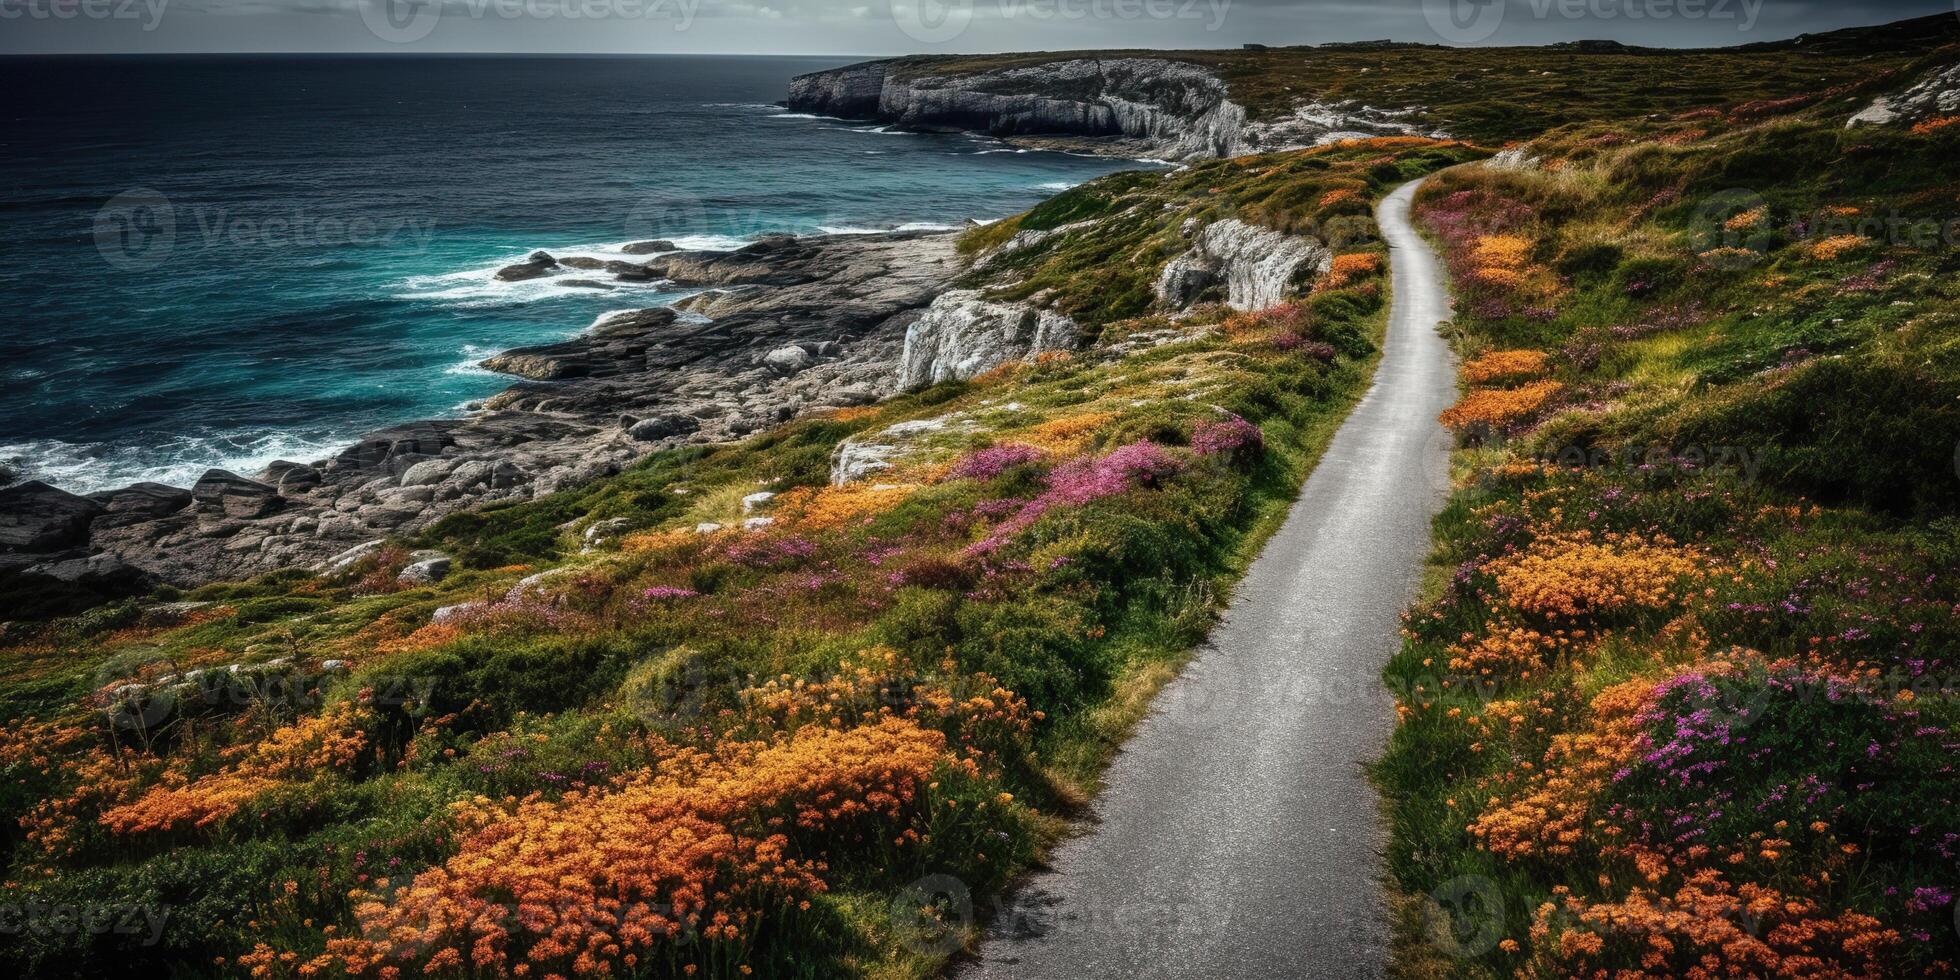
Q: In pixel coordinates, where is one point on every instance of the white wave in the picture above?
(469, 365)
(798, 115)
(480, 287)
(1058, 185)
(611, 315)
(982, 153)
(907, 226)
(88, 467)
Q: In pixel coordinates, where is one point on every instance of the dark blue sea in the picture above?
(221, 261)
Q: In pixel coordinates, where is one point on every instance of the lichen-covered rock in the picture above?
(1256, 267)
(1936, 94)
(787, 360)
(425, 568)
(963, 334)
(875, 452)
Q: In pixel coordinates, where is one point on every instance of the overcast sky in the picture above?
(876, 27)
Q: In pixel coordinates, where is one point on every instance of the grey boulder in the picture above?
(662, 427)
(37, 517)
(219, 491)
(427, 568)
(140, 502)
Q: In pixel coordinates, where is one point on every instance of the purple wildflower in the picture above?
(992, 461)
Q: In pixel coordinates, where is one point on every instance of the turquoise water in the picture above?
(224, 261)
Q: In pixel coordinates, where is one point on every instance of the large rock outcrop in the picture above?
(963, 334)
(1157, 107)
(1935, 95)
(1251, 268)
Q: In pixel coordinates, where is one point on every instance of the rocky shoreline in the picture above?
(780, 327)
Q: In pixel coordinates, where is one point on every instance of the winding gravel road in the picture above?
(1238, 835)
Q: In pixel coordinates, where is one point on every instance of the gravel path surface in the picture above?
(1238, 835)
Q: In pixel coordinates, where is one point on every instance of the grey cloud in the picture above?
(868, 27)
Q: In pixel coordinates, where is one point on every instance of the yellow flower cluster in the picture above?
(1573, 575)
(1347, 269)
(826, 507)
(1506, 648)
(645, 541)
(1501, 260)
(1708, 928)
(323, 743)
(1497, 407)
(595, 883)
(1746, 220)
(1548, 814)
(1837, 246)
(1504, 365)
(1067, 435)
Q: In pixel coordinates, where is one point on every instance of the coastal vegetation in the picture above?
(719, 714)
(1681, 699)
(1677, 701)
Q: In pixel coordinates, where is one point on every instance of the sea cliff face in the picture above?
(1152, 107)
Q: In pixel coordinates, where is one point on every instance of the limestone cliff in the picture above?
(1153, 107)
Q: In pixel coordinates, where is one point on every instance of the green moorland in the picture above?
(1683, 697)
(1498, 94)
(708, 753)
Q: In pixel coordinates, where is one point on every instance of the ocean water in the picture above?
(225, 261)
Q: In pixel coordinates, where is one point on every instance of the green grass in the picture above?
(1822, 396)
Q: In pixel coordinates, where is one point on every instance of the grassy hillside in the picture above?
(695, 748)
(1684, 700)
(1499, 94)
